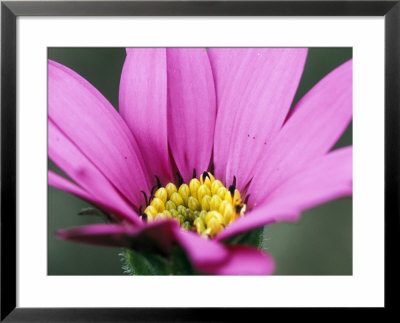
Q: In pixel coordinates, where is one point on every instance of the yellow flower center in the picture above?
(205, 205)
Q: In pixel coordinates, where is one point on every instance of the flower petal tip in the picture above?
(244, 261)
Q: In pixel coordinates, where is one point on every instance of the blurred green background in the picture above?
(319, 244)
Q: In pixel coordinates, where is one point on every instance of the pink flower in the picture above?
(223, 111)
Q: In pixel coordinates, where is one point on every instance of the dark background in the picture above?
(319, 244)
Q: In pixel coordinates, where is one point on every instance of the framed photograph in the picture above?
(187, 155)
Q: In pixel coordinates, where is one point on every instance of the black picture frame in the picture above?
(11, 10)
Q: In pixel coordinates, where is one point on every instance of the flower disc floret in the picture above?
(204, 205)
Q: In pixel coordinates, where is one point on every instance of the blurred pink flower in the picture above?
(189, 108)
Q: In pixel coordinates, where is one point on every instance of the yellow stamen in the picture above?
(200, 225)
(167, 214)
(162, 194)
(228, 214)
(204, 205)
(193, 203)
(236, 197)
(171, 188)
(205, 202)
(221, 192)
(215, 186)
(158, 204)
(214, 223)
(215, 203)
(207, 180)
(169, 205)
(176, 198)
(184, 191)
(203, 191)
(222, 207)
(228, 196)
(151, 211)
(194, 187)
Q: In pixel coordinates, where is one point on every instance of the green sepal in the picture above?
(252, 238)
(144, 263)
(91, 211)
(180, 263)
(139, 262)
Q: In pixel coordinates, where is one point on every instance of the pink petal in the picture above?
(201, 251)
(77, 166)
(317, 122)
(89, 121)
(255, 88)
(324, 179)
(143, 105)
(191, 109)
(244, 260)
(158, 235)
(99, 234)
(111, 203)
(258, 217)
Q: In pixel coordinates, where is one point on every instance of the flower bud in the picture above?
(170, 205)
(184, 191)
(150, 211)
(193, 203)
(205, 202)
(194, 186)
(181, 210)
(158, 204)
(202, 191)
(228, 197)
(215, 186)
(171, 189)
(186, 225)
(167, 214)
(221, 192)
(200, 225)
(215, 203)
(176, 198)
(228, 214)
